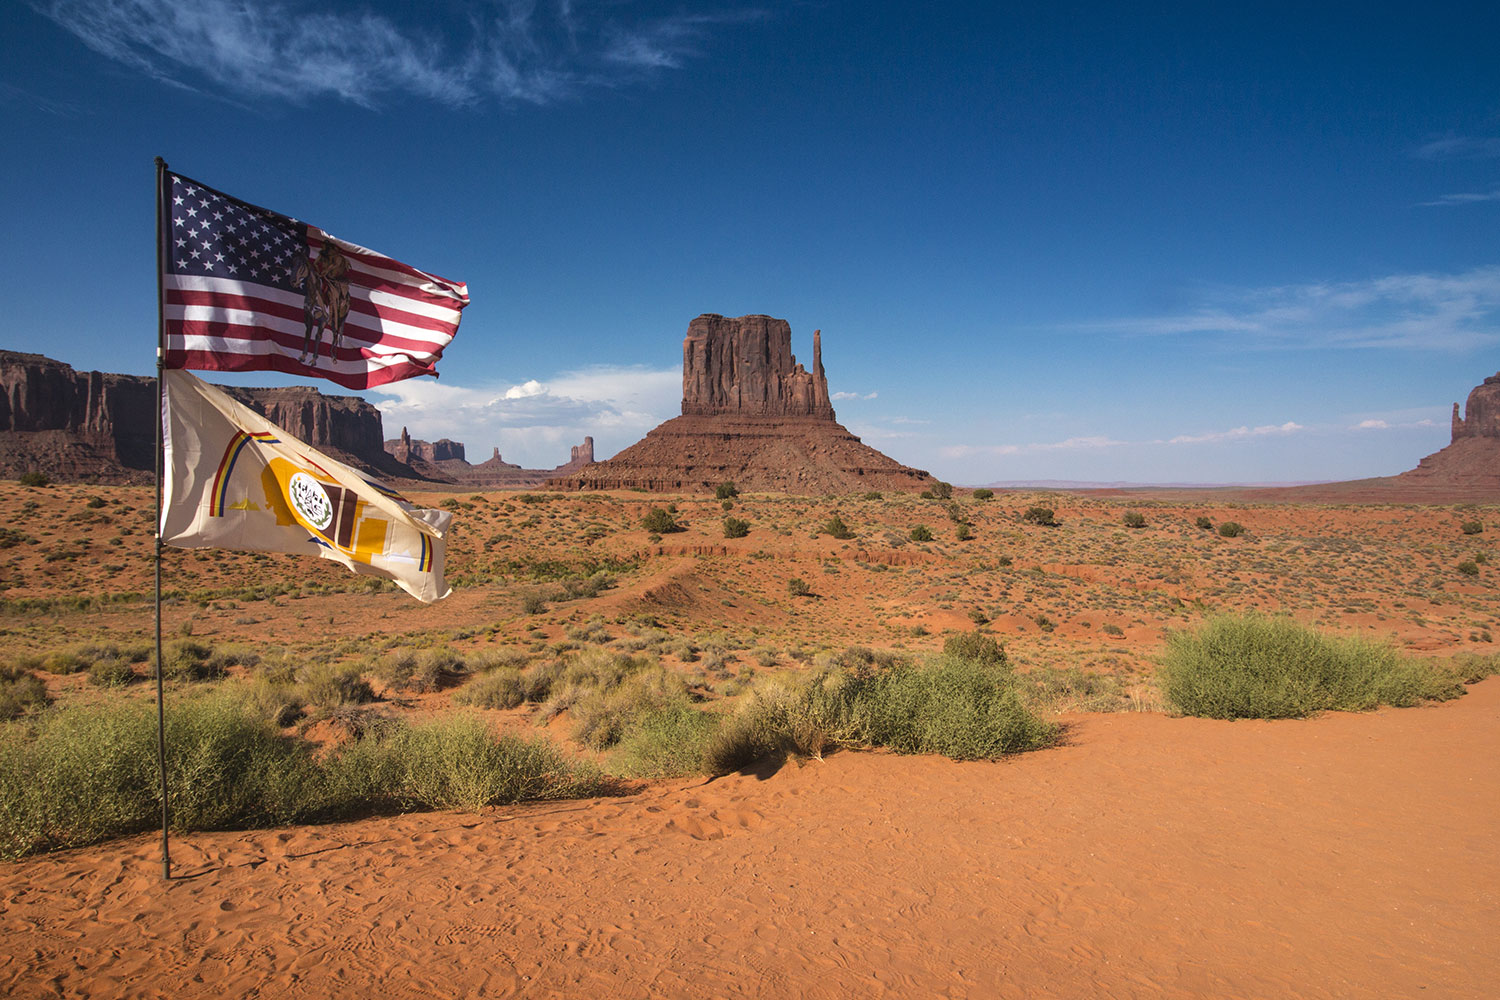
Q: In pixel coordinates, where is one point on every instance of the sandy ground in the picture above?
(1343, 856)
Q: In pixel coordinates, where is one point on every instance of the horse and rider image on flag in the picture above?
(248, 289)
(237, 481)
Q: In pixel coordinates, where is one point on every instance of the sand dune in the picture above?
(1343, 856)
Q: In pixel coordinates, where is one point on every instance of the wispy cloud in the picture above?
(1463, 198)
(20, 96)
(531, 420)
(1453, 312)
(1103, 442)
(839, 396)
(511, 50)
(1460, 147)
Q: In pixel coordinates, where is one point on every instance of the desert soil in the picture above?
(1341, 856)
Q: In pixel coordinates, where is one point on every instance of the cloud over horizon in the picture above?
(508, 50)
(1447, 312)
(533, 422)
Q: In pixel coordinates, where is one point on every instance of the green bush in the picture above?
(921, 533)
(1231, 529)
(983, 494)
(735, 527)
(671, 743)
(1038, 514)
(963, 533)
(35, 479)
(1134, 519)
(798, 587)
(975, 646)
(332, 685)
(111, 671)
(725, 491)
(872, 495)
(83, 774)
(836, 527)
(602, 716)
(20, 692)
(1469, 568)
(1204, 523)
(499, 688)
(1472, 527)
(1250, 666)
(942, 490)
(660, 522)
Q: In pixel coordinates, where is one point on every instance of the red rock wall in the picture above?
(745, 367)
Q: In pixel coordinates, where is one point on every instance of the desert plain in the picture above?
(1143, 853)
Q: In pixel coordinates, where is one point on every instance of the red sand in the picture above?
(1344, 856)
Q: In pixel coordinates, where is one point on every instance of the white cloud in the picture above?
(532, 421)
(1460, 147)
(513, 50)
(840, 396)
(1453, 312)
(1290, 427)
(1371, 425)
(1463, 198)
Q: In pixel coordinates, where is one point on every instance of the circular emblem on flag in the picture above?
(310, 500)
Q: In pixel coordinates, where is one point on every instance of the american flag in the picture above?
(244, 286)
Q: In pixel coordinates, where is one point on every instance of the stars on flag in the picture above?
(213, 235)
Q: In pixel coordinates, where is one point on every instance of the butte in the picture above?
(1472, 458)
(751, 415)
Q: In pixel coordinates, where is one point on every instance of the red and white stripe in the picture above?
(400, 319)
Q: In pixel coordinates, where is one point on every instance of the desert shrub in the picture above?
(111, 671)
(499, 688)
(1038, 514)
(725, 491)
(978, 616)
(602, 716)
(20, 692)
(35, 479)
(279, 703)
(942, 490)
(921, 533)
(1472, 527)
(726, 505)
(533, 602)
(836, 527)
(1250, 666)
(953, 705)
(331, 685)
(660, 522)
(872, 495)
(497, 659)
(734, 527)
(983, 494)
(83, 774)
(419, 672)
(1134, 519)
(94, 503)
(63, 661)
(185, 660)
(798, 587)
(975, 646)
(671, 743)
(1114, 630)
(1469, 568)
(963, 533)
(1231, 529)
(1204, 523)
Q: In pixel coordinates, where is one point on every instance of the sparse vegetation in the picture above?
(1469, 568)
(1472, 527)
(1204, 523)
(1231, 529)
(983, 494)
(1250, 666)
(836, 527)
(921, 533)
(798, 587)
(725, 491)
(735, 527)
(660, 522)
(1134, 519)
(1038, 514)
(35, 479)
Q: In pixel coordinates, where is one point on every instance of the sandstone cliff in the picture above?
(750, 415)
(74, 425)
(1472, 458)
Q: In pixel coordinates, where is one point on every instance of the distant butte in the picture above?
(751, 415)
(1472, 458)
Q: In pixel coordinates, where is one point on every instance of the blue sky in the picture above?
(1075, 242)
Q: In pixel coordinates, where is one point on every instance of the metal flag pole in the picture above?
(161, 361)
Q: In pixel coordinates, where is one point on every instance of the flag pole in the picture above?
(161, 361)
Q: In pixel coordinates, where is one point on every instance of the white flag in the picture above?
(235, 480)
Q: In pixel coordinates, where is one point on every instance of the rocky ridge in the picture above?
(751, 415)
(1472, 458)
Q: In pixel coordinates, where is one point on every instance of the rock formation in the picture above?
(1472, 458)
(443, 461)
(98, 426)
(753, 416)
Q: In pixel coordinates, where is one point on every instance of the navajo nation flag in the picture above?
(237, 481)
(248, 289)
